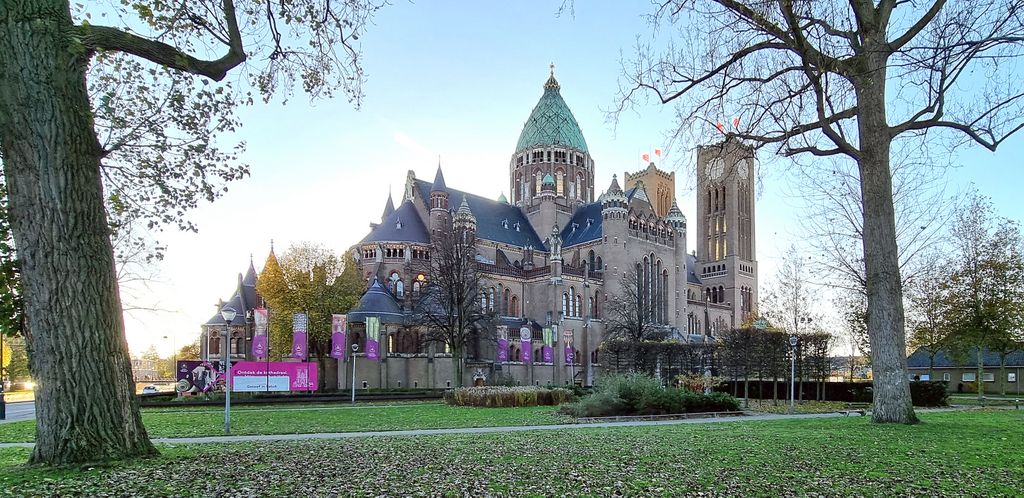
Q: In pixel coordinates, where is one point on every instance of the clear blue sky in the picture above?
(455, 80)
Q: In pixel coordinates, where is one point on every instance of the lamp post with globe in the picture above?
(228, 314)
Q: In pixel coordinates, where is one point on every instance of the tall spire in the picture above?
(388, 208)
(552, 83)
(439, 185)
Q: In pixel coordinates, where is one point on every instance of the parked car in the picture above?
(150, 390)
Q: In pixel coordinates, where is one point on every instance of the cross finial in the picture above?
(552, 69)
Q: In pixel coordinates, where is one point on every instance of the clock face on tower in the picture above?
(714, 168)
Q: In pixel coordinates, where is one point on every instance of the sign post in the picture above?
(355, 347)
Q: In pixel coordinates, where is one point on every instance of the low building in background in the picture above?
(961, 370)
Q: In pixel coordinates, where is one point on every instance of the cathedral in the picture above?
(551, 255)
(553, 252)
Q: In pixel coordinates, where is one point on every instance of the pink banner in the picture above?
(299, 341)
(256, 376)
(338, 323)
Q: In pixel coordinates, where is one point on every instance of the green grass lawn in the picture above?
(952, 453)
(204, 421)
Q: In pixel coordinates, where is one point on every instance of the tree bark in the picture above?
(86, 410)
(891, 388)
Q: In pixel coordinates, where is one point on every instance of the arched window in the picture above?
(505, 303)
(600, 265)
(590, 307)
(490, 300)
(560, 182)
(579, 306)
(573, 310)
(596, 313)
(721, 294)
(416, 288)
(591, 260)
(565, 304)
(579, 186)
(394, 281)
(513, 307)
(537, 177)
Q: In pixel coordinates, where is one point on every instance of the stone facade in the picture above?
(552, 252)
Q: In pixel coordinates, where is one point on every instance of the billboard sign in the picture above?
(196, 376)
(261, 376)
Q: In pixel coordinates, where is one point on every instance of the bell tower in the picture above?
(726, 256)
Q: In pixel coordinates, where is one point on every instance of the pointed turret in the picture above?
(439, 216)
(250, 274)
(675, 217)
(388, 208)
(464, 216)
(502, 199)
(439, 185)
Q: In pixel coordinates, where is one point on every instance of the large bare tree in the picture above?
(835, 77)
(454, 309)
(55, 145)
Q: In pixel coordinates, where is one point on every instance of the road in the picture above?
(22, 410)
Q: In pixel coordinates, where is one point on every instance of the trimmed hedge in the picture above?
(507, 397)
(923, 393)
(636, 394)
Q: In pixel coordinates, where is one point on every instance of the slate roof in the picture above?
(438, 180)
(943, 360)
(377, 301)
(691, 269)
(403, 225)
(490, 217)
(551, 122)
(244, 299)
(578, 230)
(388, 208)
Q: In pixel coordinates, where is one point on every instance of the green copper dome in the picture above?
(548, 180)
(551, 122)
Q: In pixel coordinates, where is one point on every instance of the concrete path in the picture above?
(468, 430)
(22, 410)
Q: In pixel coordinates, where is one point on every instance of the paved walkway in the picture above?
(467, 430)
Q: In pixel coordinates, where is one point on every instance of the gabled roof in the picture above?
(970, 360)
(377, 301)
(495, 221)
(551, 122)
(403, 225)
(584, 226)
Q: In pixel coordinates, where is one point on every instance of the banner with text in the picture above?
(526, 343)
(547, 352)
(373, 337)
(259, 338)
(502, 343)
(338, 324)
(257, 376)
(299, 323)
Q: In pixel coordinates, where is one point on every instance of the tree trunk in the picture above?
(891, 388)
(978, 376)
(457, 365)
(1002, 374)
(86, 410)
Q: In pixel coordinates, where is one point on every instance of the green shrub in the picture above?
(507, 397)
(636, 394)
(929, 393)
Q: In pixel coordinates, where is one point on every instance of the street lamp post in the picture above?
(355, 348)
(792, 371)
(3, 402)
(228, 314)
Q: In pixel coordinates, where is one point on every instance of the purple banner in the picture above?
(260, 347)
(547, 354)
(373, 338)
(526, 342)
(569, 356)
(257, 376)
(338, 323)
(299, 349)
(502, 350)
(502, 353)
(196, 376)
